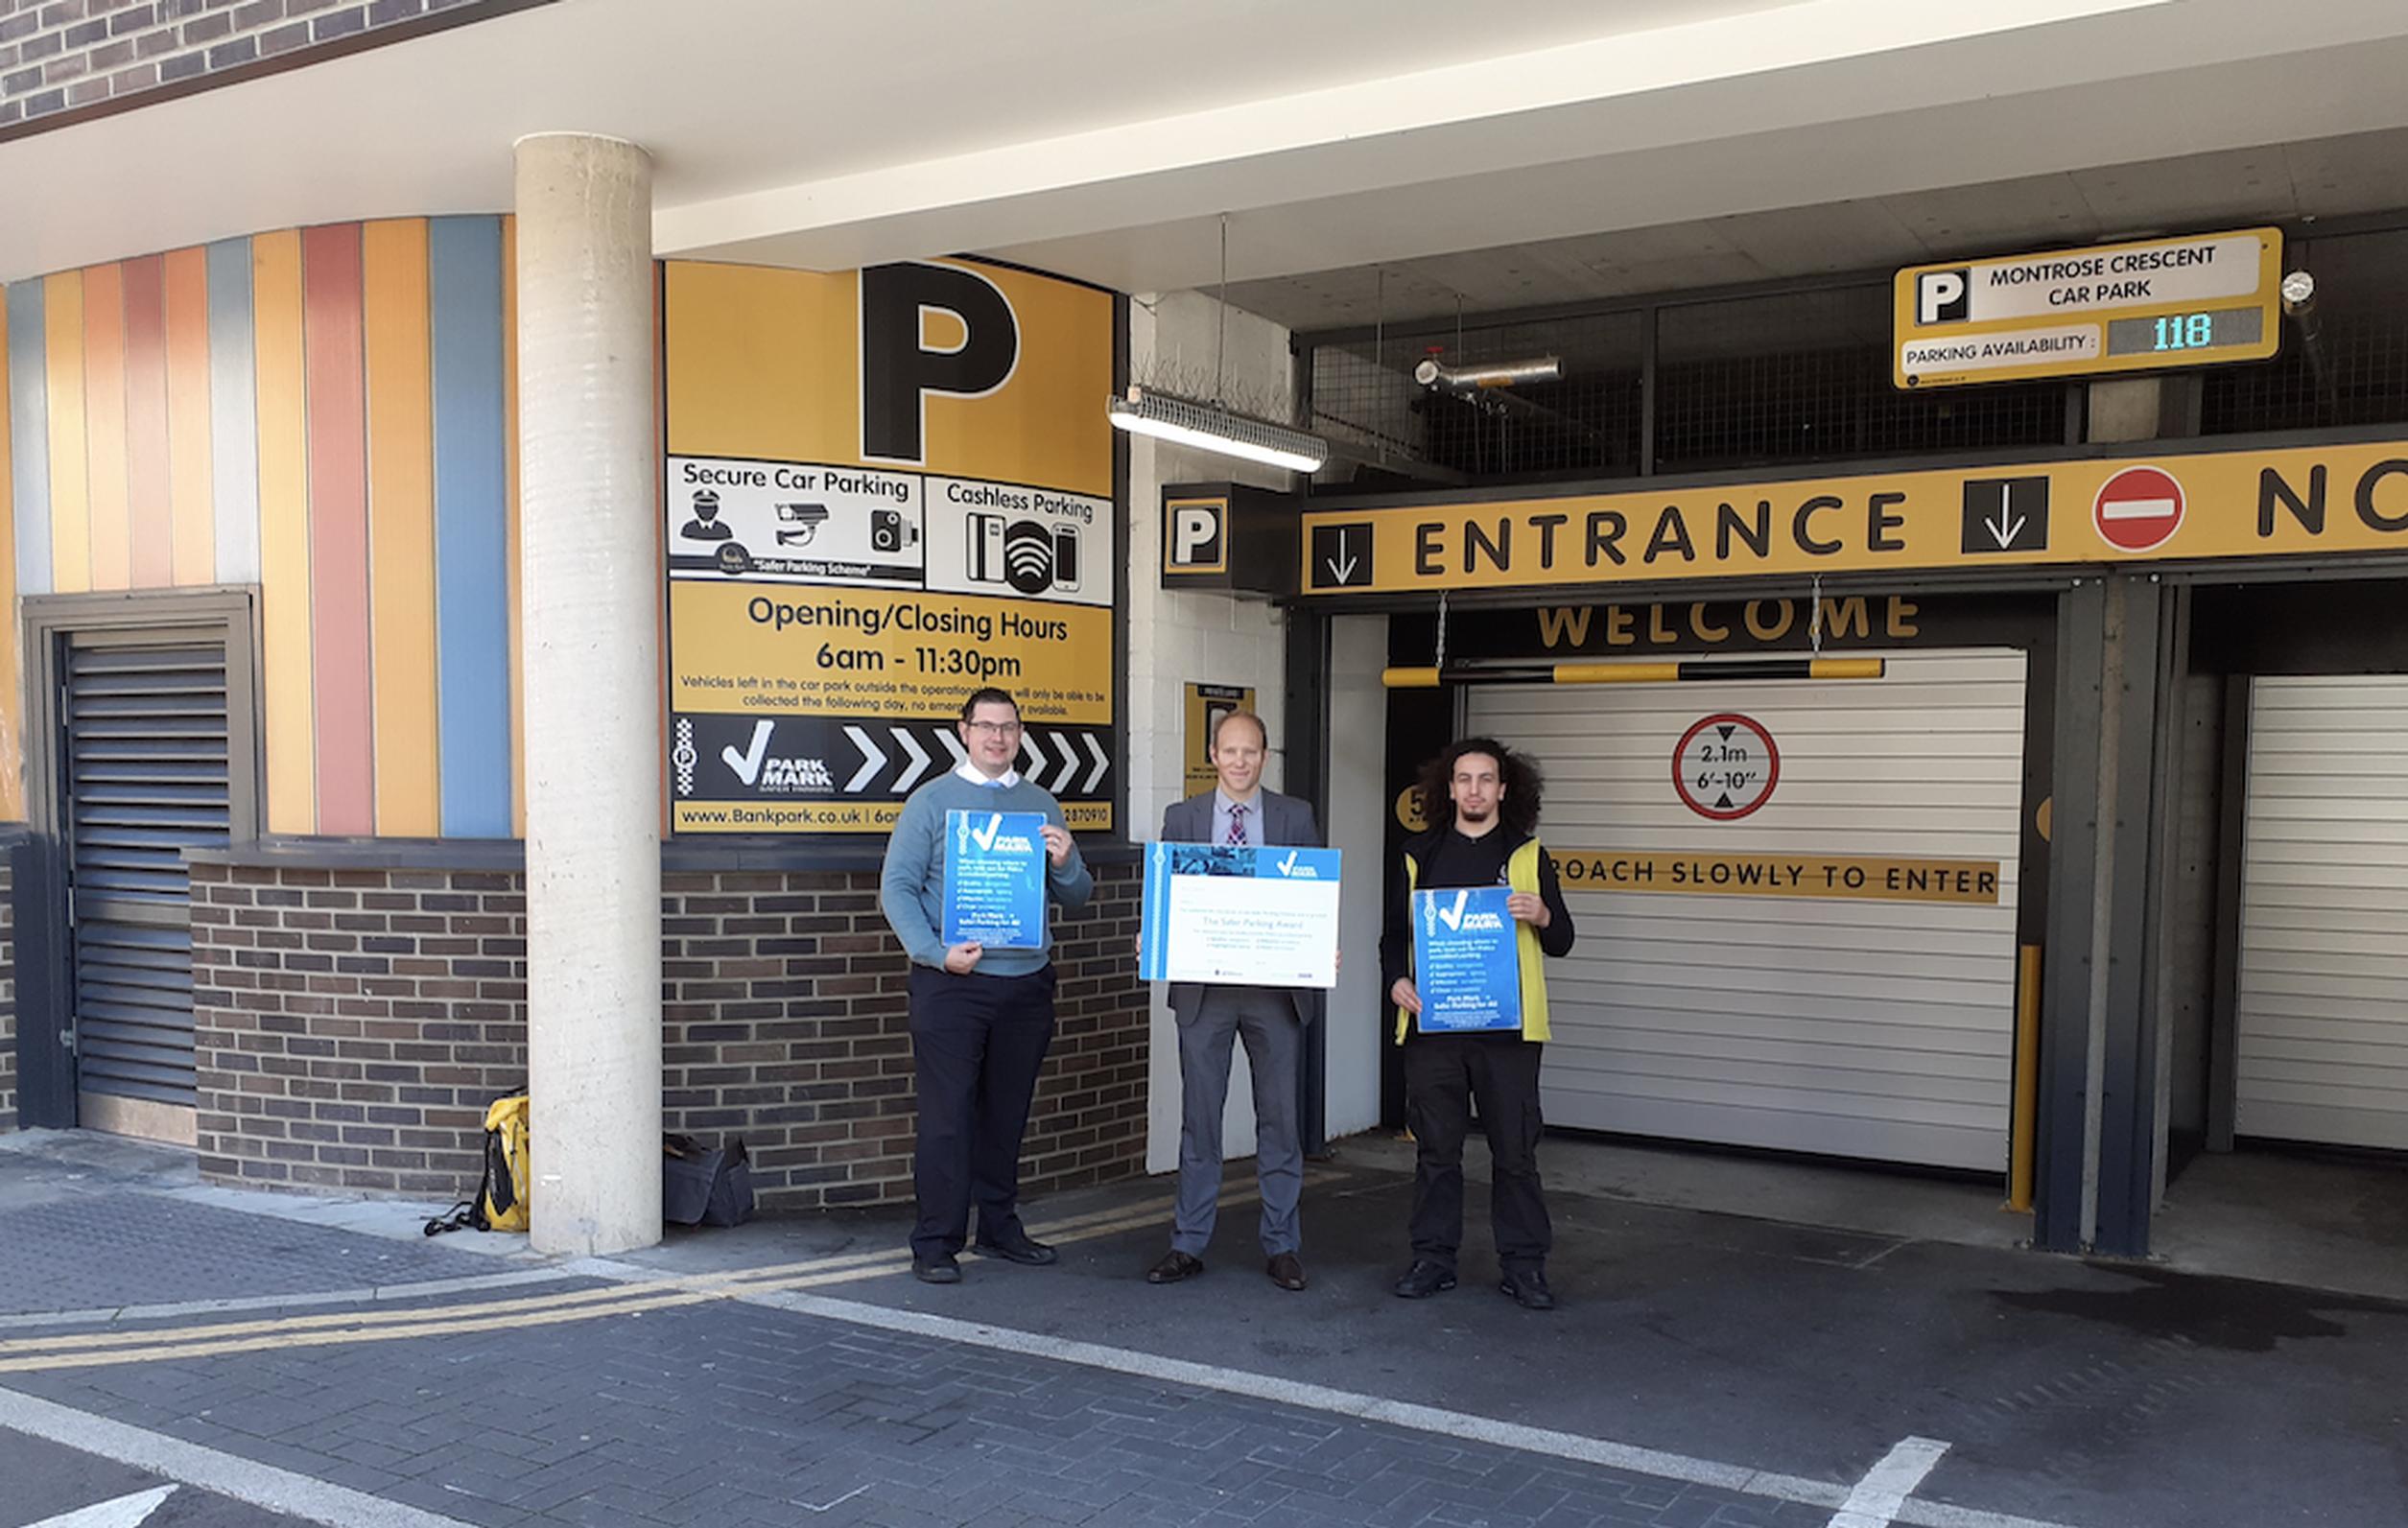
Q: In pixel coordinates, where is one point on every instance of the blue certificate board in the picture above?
(1466, 965)
(1239, 916)
(994, 880)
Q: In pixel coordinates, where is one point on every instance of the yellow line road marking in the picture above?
(94, 1349)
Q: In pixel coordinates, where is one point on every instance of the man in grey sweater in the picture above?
(982, 1019)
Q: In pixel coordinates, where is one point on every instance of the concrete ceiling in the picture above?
(2295, 184)
(1627, 145)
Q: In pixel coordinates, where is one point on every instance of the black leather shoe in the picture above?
(1287, 1271)
(941, 1269)
(1174, 1266)
(1528, 1288)
(1016, 1246)
(1424, 1279)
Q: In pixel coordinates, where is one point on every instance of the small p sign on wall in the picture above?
(1196, 536)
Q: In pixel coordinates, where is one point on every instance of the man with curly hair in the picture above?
(1482, 802)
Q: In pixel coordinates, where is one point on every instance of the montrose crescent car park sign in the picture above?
(2109, 308)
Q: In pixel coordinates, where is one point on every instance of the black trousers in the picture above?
(977, 1045)
(1443, 1074)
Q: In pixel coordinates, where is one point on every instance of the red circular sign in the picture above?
(2138, 510)
(1726, 767)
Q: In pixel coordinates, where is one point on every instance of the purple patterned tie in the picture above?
(1237, 824)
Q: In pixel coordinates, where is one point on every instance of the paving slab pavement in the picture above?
(1704, 1369)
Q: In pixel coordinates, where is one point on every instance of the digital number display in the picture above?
(2173, 335)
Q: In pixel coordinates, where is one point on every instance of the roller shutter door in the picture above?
(1878, 1029)
(2322, 1009)
(146, 777)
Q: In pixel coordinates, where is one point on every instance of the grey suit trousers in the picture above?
(1265, 1019)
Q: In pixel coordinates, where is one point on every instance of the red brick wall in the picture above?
(353, 1023)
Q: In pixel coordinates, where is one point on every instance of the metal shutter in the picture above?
(2322, 1008)
(1871, 1029)
(144, 724)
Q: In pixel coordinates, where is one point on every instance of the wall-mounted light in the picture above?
(1207, 428)
(1500, 374)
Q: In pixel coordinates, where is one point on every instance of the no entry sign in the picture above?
(2138, 510)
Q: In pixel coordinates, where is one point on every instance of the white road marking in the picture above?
(245, 1480)
(1881, 1494)
(126, 1512)
(1452, 1424)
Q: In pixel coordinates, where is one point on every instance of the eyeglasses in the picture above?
(1000, 729)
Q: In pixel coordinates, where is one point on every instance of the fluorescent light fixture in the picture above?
(1209, 429)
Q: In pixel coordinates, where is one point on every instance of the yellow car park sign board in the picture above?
(2349, 498)
(883, 490)
(2118, 307)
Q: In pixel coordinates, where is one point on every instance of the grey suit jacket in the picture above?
(1287, 822)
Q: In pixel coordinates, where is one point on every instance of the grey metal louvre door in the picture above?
(144, 775)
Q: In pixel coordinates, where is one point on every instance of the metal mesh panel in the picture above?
(2348, 365)
(1804, 376)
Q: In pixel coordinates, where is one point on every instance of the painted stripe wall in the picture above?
(321, 412)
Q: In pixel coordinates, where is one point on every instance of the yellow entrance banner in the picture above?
(1973, 881)
(2344, 498)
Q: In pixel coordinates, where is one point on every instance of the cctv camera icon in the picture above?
(798, 523)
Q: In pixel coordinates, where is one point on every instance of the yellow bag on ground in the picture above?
(501, 1202)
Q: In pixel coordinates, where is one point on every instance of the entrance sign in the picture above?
(2138, 510)
(883, 490)
(2122, 307)
(2324, 501)
(1467, 965)
(1261, 917)
(1726, 767)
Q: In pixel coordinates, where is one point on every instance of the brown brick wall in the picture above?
(62, 57)
(352, 1025)
(8, 990)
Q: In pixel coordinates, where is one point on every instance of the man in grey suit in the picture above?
(1270, 1020)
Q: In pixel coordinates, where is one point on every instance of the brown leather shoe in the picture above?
(1174, 1266)
(1285, 1271)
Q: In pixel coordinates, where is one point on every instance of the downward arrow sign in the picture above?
(1726, 732)
(2000, 531)
(1344, 571)
(873, 759)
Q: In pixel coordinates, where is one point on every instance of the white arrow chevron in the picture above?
(951, 741)
(126, 1512)
(1034, 774)
(1070, 762)
(873, 759)
(919, 757)
(1103, 760)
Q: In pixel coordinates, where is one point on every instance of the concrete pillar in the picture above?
(590, 597)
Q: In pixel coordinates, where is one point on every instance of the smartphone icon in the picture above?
(1065, 556)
